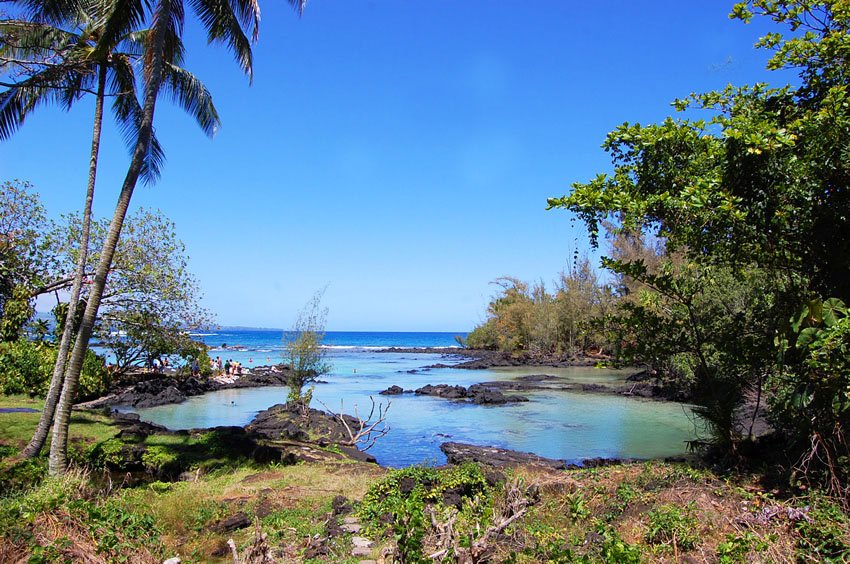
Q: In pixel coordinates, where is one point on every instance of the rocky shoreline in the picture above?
(480, 359)
(460, 453)
(492, 392)
(167, 389)
(283, 434)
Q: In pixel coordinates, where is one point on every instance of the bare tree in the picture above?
(363, 433)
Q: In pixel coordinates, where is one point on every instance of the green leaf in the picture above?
(808, 336)
(832, 310)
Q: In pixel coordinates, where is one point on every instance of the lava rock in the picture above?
(234, 522)
(459, 453)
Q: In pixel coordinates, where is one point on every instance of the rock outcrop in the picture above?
(289, 424)
(480, 394)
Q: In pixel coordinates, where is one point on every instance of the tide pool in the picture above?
(557, 424)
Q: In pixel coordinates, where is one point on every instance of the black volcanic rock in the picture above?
(443, 391)
(458, 453)
(479, 394)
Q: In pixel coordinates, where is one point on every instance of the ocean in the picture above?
(257, 347)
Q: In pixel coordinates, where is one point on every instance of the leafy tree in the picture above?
(508, 327)
(26, 260)
(150, 303)
(304, 351)
(752, 201)
(528, 320)
(583, 304)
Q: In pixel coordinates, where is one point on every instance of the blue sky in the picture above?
(400, 153)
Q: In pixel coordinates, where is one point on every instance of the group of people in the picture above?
(156, 365)
(228, 367)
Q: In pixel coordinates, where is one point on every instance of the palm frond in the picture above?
(33, 41)
(248, 12)
(189, 93)
(173, 49)
(126, 16)
(17, 102)
(128, 114)
(298, 5)
(223, 26)
(57, 12)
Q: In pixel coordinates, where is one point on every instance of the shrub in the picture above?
(27, 366)
(159, 459)
(397, 504)
(108, 453)
(94, 378)
(669, 524)
(823, 537)
(21, 475)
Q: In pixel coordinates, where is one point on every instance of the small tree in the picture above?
(304, 350)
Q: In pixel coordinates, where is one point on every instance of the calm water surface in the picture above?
(557, 424)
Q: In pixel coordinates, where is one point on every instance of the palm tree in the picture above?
(65, 79)
(225, 22)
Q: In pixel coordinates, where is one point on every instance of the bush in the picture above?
(94, 378)
(158, 459)
(397, 504)
(823, 537)
(27, 366)
(21, 475)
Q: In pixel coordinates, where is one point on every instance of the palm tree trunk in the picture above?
(50, 401)
(58, 462)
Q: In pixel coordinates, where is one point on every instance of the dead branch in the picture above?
(364, 432)
(515, 506)
(258, 553)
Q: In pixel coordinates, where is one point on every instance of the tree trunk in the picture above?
(56, 380)
(58, 462)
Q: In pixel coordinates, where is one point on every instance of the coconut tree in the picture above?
(63, 65)
(225, 21)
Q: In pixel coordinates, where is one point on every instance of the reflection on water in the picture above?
(556, 424)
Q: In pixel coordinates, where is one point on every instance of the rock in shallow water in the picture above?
(480, 394)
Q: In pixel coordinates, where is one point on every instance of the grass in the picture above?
(291, 504)
(653, 512)
(16, 429)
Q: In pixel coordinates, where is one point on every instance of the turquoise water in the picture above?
(557, 424)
